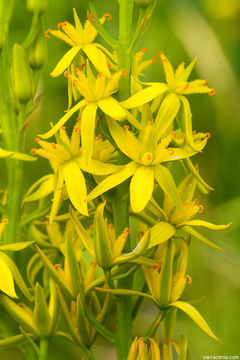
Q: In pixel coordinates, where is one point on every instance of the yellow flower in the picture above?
(147, 152)
(80, 38)
(66, 159)
(97, 93)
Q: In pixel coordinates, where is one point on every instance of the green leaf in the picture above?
(200, 237)
(161, 232)
(195, 316)
(141, 188)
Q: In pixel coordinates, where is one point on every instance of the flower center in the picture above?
(147, 158)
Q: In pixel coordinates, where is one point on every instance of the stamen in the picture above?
(126, 127)
(91, 227)
(79, 118)
(110, 226)
(67, 74)
(186, 86)
(159, 54)
(53, 145)
(48, 31)
(36, 140)
(76, 70)
(149, 157)
(173, 133)
(99, 137)
(144, 50)
(94, 263)
(74, 83)
(77, 130)
(60, 24)
(33, 152)
(189, 279)
(171, 151)
(90, 17)
(124, 72)
(183, 63)
(83, 66)
(90, 187)
(196, 201)
(186, 203)
(100, 74)
(5, 221)
(153, 60)
(109, 65)
(126, 230)
(206, 82)
(63, 128)
(149, 122)
(157, 266)
(212, 92)
(201, 209)
(164, 60)
(194, 132)
(57, 266)
(208, 135)
(108, 16)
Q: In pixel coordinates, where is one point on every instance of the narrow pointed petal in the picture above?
(113, 180)
(184, 75)
(200, 237)
(206, 224)
(166, 182)
(88, 130)
(187, 121)
(42, 187)
(6, 280)
(97, 58)
(166, 114)
(78, 24)
(196, 174)
(124, 139)
(160, 233)
(76, 186)
(98, 168)
(141, 188)
(145, 95)
(60, 35)
(65, 61)
(58, 184)
(111, 107)
(195, 316)
(183, 153)
(62, 121)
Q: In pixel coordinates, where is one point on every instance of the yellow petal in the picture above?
(166, 182)
(65, 61)
(62, 36)
(57, 195)
(76, 187)
(98, 59)
(207, 224)
(111, 107)
(141, 188)
(195, 316)
(113, 180)
(44, 187)
(160, 233)
(6, 280)
(88, 130)
(145, 95)
(200, 237)
(98, 168)
(62, 121)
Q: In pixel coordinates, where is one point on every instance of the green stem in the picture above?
(43, 349)
(120, 205)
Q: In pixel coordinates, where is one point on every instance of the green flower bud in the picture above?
(21, 74)
(37, 5)
(37, 52)
(2, 38)
(143, 3)
(41, 314)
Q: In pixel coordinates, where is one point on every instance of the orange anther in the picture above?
(110, 226)
(189, 278)
(63, 128)
(173, 133)
(186, 203)
(90, 17)
(159, 54)
(196, 201)
(53, 145)
(157, 266)
(76, 70)
(149, 122)
(208, 135)
(100, 74)
(107, 16)
(124, 72)
(201, 209)
(186, 86)
(91, 227)
(164, 60)
(79, 118)
(83, 66)
(64, 23)
(144, 50)
(153, 60)
(90, 187)
(77, 130)
(171, 151)
(126, 127)
(212, 92)
(57, 266)
(66, 74)
(36, 140)
(206, 82)
(5, 221)
(60, 24)
(183, 63)
(194, 132)
(94, 263)
(48, 31)
(74, 83)
(109, 65)
(149, 157)
(99, 137)
(33, 152)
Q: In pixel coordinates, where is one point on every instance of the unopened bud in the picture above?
(21, 76)
(37, 6)
(37, 52)
(143, 3)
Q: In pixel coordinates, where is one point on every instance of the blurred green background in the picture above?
(182, 29)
